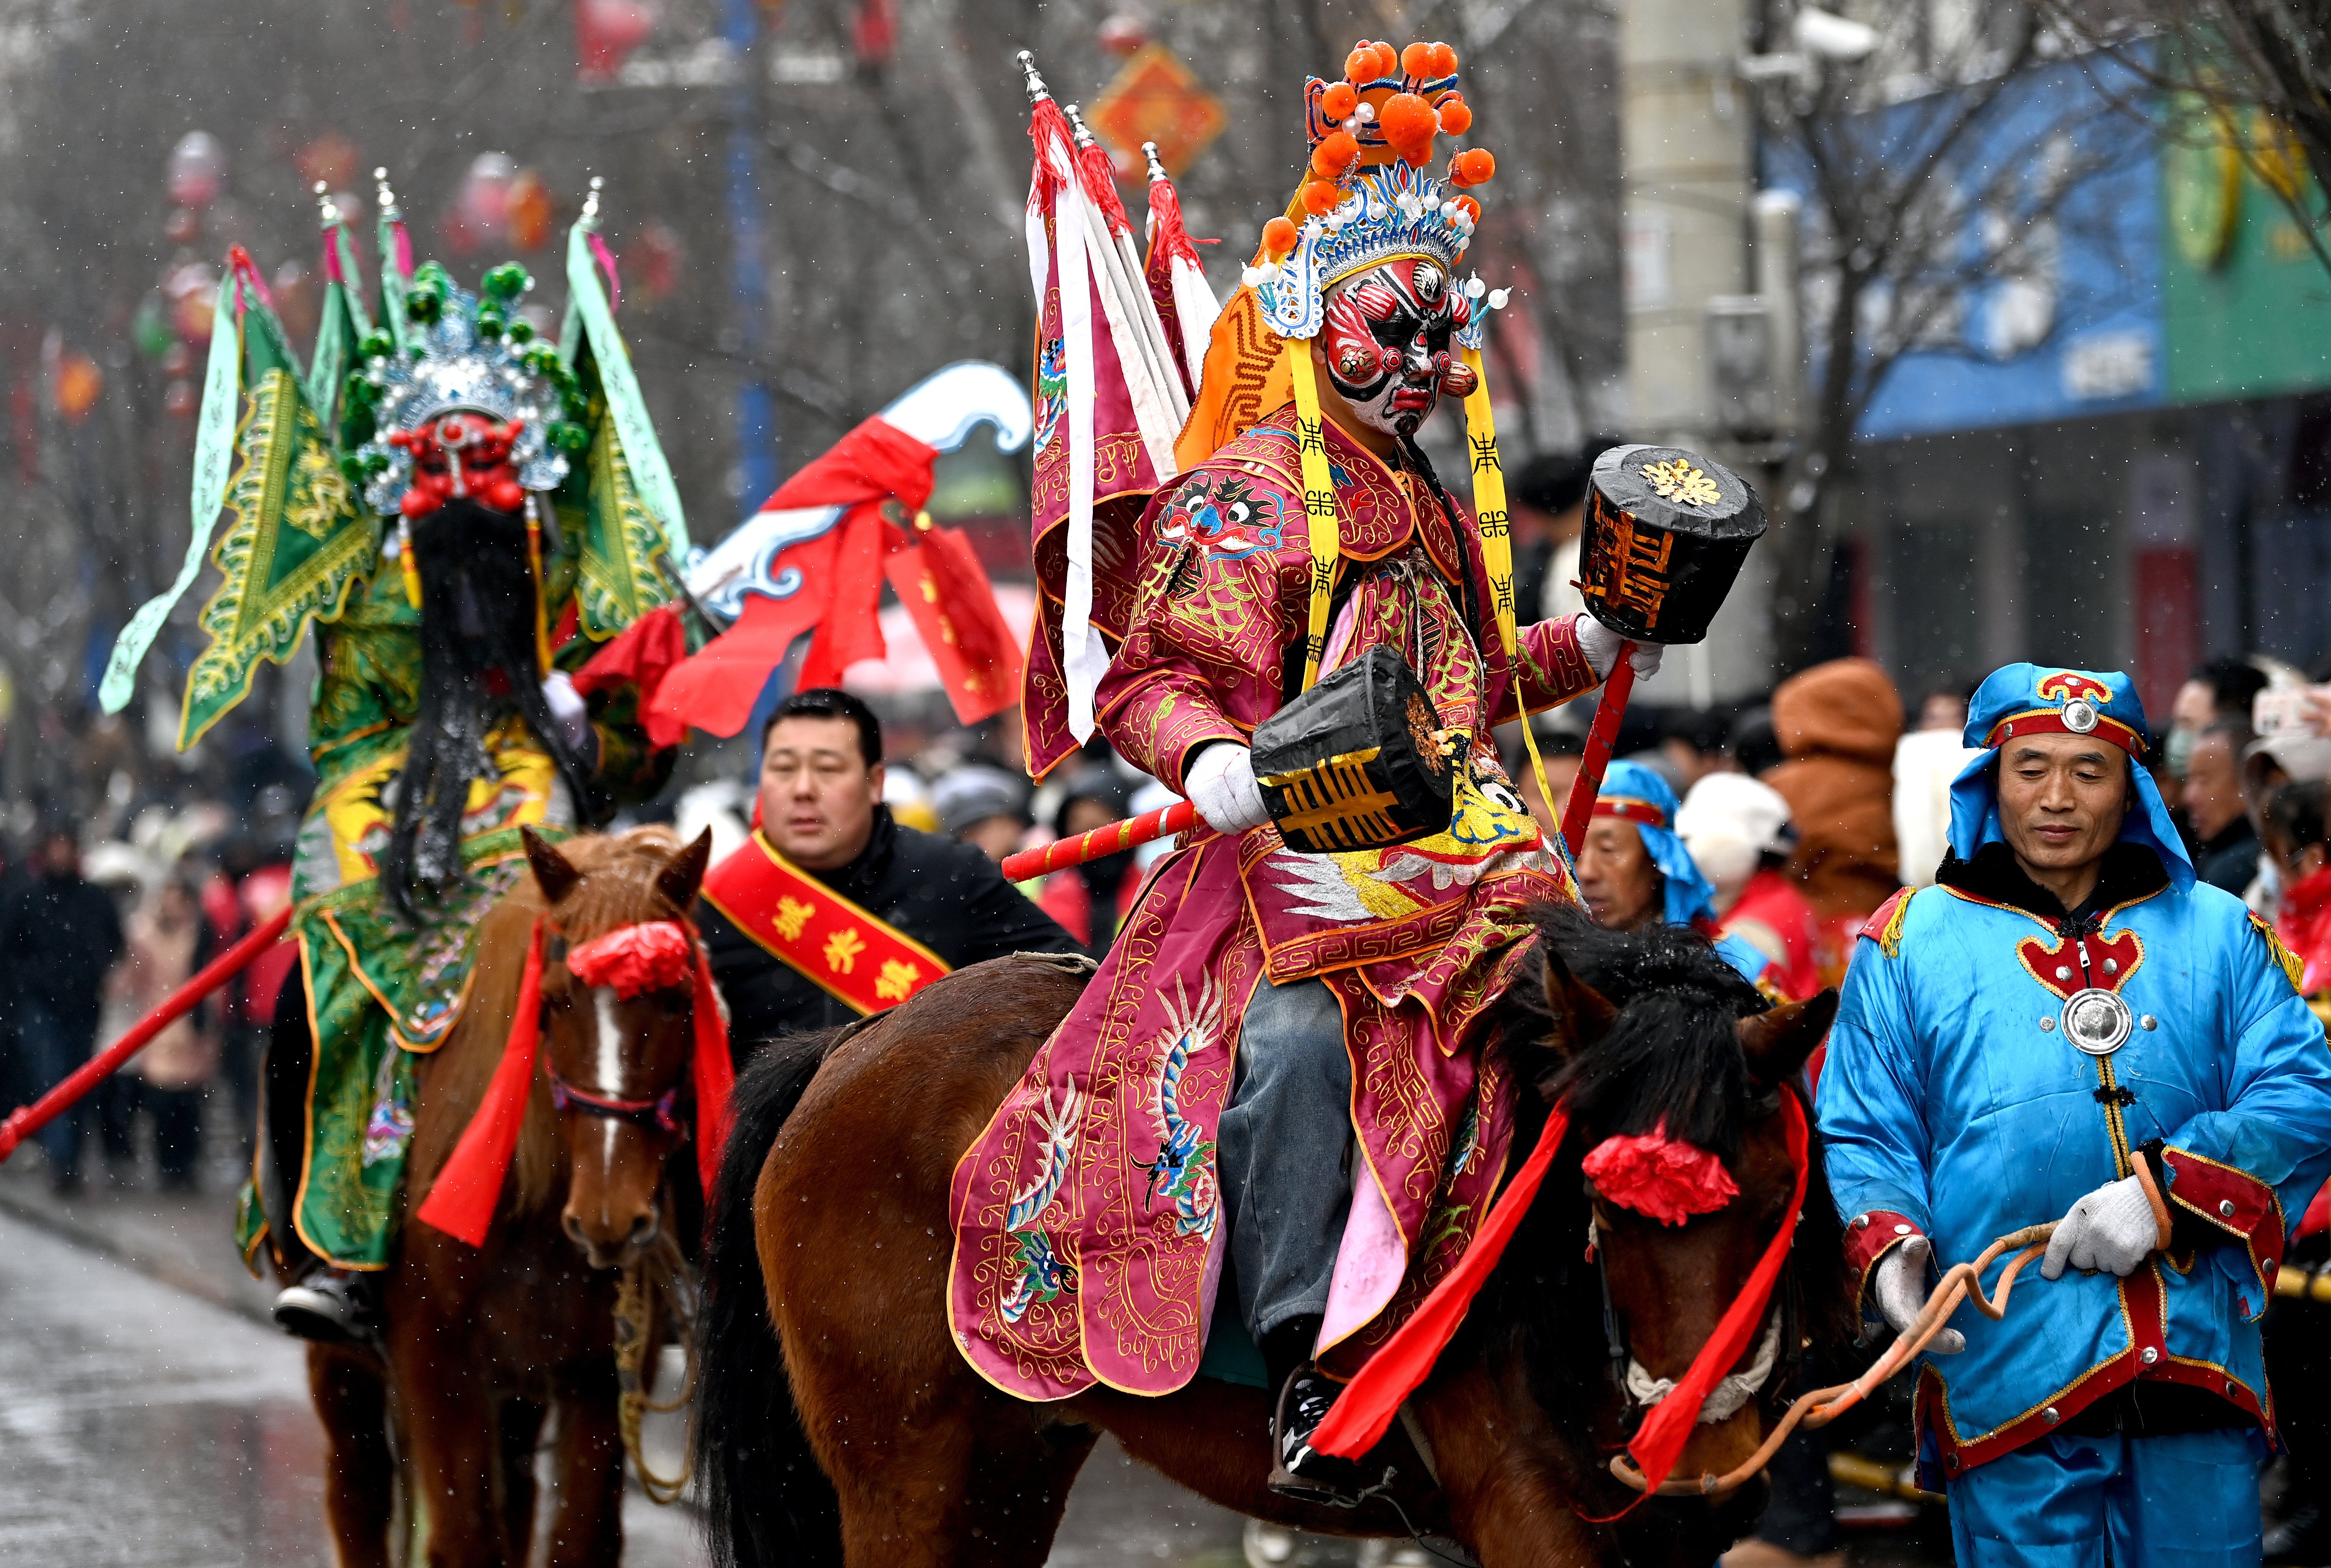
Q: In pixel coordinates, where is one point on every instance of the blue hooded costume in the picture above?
(1634, 793)
(1997, 1058)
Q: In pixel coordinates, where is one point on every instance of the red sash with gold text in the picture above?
(855, 955)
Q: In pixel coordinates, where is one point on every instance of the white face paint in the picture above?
(609, 1065)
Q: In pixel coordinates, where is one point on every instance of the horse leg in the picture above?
(586, 1525)
(359, 1470)
(521, 1429)
(1020, 1480)
(449, 1420)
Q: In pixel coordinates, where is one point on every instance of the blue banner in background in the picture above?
(2049, 306)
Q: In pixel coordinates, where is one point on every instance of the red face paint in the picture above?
(1386, 339)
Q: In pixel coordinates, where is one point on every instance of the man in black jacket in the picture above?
(820, 809)
(61, 936)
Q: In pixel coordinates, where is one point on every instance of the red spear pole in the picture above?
(1609, 709)
(1106, 840)
(26, 1120)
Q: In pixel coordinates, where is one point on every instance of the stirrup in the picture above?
(330, 1307)
(1302, 1472)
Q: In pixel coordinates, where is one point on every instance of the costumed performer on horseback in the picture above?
(2066, 1017)
(1632, 871)
(1264, 1013)
(465, 513)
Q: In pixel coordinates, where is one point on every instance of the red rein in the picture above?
(651, 955)
(1368, 1403)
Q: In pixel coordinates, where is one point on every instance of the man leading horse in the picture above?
(2069, 1023)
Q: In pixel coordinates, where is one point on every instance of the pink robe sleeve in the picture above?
(1201, 660)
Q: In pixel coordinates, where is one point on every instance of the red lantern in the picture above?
(479, 218)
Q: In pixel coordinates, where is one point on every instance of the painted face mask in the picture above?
(1386, 338)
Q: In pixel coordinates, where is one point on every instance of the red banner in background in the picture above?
(938, 578)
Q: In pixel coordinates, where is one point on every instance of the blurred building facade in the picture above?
(2116, 456)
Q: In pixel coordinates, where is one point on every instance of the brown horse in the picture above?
(838, 1424)
(481, 1345)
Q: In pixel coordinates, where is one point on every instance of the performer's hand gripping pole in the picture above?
(1610, 709)
(26, 1120)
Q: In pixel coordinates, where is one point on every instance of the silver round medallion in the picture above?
(2096, 1021)
(2079, 715)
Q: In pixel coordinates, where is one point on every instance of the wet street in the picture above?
(140, 1425)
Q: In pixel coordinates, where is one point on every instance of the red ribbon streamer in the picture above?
(462, 1199)
(1365, 1409)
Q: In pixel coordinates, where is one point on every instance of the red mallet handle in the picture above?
(26, 1120)
(1107, 839)
(1604, 734)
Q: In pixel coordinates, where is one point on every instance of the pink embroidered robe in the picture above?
(1087, 1234)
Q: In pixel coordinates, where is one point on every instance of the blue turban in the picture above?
(2041, 700)
(1634, 793)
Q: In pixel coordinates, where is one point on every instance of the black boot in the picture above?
(2302, 1539)
(1301, 1472)
(1306, 1394)
(333, 1306)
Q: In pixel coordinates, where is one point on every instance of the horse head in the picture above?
(1688, 1137)
(620, 988)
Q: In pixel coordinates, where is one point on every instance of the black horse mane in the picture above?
(1671, 1055)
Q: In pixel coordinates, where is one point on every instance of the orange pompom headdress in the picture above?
(1366, 197)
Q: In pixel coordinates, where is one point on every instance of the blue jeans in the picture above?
(1285, 1149)
(54, 1047)
(2190, 1500)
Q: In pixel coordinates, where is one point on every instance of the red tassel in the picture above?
(1365, 1408)
(1099, 180)
(1660, 1441)
(1048, 128)
(462, 1199)
(716, 1076)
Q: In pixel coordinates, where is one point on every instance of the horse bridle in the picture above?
(565, 1096)
(1786, 1306)
(659, 1110)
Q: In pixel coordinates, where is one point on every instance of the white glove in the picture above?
(2112, 1229)
(568, 708)
(1901, 1291)
(1601, 646)
(1221, 785)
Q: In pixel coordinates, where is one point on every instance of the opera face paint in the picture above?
(1386, 339)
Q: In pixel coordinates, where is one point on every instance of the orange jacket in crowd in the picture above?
(1837, 724)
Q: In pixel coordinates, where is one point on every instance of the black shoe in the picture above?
(1302, 1471)
(332, 1306)
(2301, 1540)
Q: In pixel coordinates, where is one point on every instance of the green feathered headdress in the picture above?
(296, 464)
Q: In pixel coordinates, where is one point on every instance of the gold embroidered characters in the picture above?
(1677, 480)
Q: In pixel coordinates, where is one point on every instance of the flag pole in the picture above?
(26, 1120)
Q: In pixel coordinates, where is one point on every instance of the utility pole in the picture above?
(1686, 141)
(756, 403)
